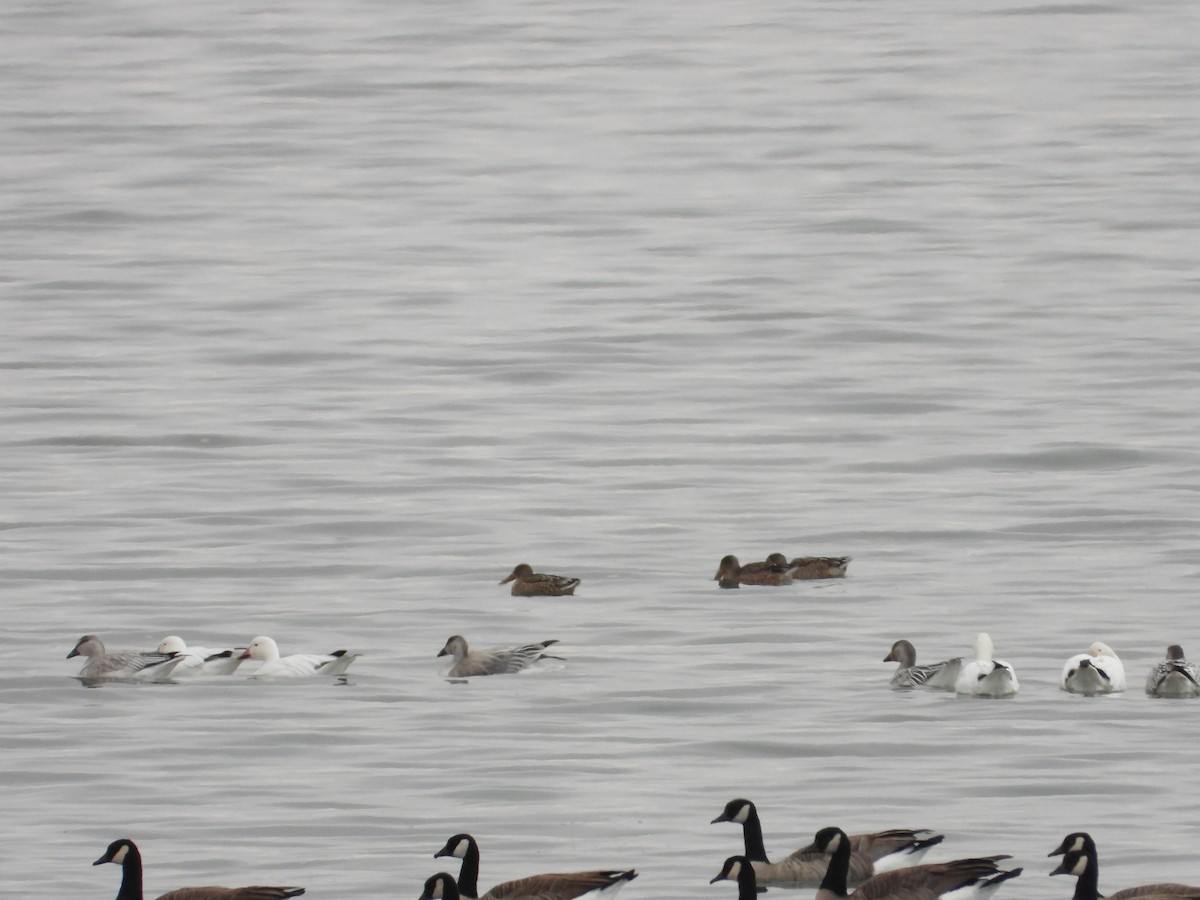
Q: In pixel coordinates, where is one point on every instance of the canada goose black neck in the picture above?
(753, 837)
(1087, 881)
(124, 853)
(468, 873)
(839, 863)
(741, 869)
(743, 812)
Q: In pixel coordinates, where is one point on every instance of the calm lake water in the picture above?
(316, 321)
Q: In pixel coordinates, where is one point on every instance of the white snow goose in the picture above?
(266, 651)
(986, 676)
(1098, 671)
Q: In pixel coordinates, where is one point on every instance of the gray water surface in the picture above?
(314, 321)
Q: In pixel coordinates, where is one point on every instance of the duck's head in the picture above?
(520, 572)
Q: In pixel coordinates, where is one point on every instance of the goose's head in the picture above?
(1175, 652)
(88, 645)
(118, 851)
(902, 652)
(441, 886)
(172, 643)
(1101, 649)
(520, 572)
(1075, 842)
(984, 649)
(827, 840)
(456, 646)
(264, 649)
(1075, 862)
(740, 811)
(735, 869)
(458, 847)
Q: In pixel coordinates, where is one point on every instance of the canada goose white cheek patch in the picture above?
(734, 870)
(742, 816)
(119, 856)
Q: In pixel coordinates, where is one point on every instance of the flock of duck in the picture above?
(882, 865)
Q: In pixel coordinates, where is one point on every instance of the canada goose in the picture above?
(739, 869)
(200, 660)
(273, 665)
(468, 662)
(1174, 676)
(1079, 859)
(130, 664)
(1098, 671)
(731, 574)
(551, 886)
(986, 676)
(973, 879)
(124, 853)
(939, 675)
(528, 583)
(870, 853)
(440, 887)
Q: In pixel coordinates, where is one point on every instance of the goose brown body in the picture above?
(124, 852)
(807, 868)
(924, 882)
(548, 886)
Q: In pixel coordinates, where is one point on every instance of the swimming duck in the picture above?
(528, 583)
(731, 574)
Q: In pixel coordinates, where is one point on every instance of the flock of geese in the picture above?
(883, 865)
(1098, 670)
(174, 658)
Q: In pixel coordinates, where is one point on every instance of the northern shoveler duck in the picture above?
(528, 583)
(809, 568)
(731, 574)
